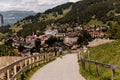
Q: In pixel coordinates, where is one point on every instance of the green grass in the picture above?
(95, 22)
(114, 12)
(51, 17)
(29, 72)
(3, 35)
(108, 53)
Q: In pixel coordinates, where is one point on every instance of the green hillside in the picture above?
(50, 15)
(82, 12)
(108, 53)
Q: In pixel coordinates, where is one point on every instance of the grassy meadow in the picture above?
(108, 53)
(5, 60)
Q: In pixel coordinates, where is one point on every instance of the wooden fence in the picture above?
(97, 64)
(12, 71)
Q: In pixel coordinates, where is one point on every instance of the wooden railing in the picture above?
(12, 71)
(97, 64)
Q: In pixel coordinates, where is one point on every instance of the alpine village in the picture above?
(89, 29)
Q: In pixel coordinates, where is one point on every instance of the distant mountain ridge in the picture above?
(11, 17)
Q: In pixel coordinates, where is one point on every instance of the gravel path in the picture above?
(97, 42)
(66, 68)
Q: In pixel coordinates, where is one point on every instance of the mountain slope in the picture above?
(50, 15)
(81, 12)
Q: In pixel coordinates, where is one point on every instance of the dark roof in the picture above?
(44, 45)
(72, 34)
(69, 45)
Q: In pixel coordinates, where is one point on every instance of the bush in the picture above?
(7, 51)
(84, 38)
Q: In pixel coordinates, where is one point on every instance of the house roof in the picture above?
(68, 44)
(44, 45)
(72, 34)
(95, 33)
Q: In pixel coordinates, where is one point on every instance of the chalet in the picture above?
(71, 38)
(31, 40)
(51, 31)
(96, 34)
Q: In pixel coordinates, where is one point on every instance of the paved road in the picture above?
(66, 68)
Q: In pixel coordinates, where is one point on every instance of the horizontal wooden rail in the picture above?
(15, 63)
(102, 64)
(12, 71)
(98, 64)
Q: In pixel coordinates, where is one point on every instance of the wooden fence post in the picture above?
(113, 74)
(83, 63)
(33, 60)
(37, 60)
(41, 59)
(21, 65)
(25, 62)
(30, 61)
(97, 70)
(52, 56)
(89, 67)
(15, 70)
(78, 56)
(44, 58)
(8, 74)
(48, 57)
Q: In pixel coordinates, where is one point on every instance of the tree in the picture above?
(37, 44)
(21, 48)
(60, 12)
(51, 41)
(117, 7)
(9, 42)
(114, 32)
(84, 38)
(7, 51)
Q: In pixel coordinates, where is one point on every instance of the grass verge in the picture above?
(107, 53)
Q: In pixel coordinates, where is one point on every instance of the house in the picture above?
(97, 34)
(71, 38)
(51, 31)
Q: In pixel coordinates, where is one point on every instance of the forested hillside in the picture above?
(82, 12)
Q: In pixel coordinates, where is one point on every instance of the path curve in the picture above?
(66, 68)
